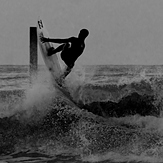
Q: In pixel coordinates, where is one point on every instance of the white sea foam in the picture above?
(39, 98)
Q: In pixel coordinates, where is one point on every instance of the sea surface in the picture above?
(116, 115)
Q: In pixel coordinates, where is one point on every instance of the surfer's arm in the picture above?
(59, 41)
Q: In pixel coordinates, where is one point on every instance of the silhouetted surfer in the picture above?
(71, 49)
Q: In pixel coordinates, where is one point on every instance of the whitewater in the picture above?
(117, 115)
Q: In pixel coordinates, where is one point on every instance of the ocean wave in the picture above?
(121, 120)
(140, 95)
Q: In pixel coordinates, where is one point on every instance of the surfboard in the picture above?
(53, 63)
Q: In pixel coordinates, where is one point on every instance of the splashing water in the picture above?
(43, 126)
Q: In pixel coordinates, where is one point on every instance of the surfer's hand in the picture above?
(44, 39)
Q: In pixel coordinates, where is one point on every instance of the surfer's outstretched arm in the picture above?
(59, 41)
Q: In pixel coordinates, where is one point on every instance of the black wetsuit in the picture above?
(72, 50)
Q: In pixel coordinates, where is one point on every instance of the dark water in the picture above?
(117, 116)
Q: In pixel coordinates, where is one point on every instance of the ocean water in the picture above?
(116, 115)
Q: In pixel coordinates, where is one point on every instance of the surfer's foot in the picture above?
(51, 51)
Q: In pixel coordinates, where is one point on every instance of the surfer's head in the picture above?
(83, 33)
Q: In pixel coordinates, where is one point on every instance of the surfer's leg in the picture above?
(65, 51)
(67, 71)
(61, 80)
(52, 51)
(63, 76)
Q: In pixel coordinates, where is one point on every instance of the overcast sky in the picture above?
(121, 31)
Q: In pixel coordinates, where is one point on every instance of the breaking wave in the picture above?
(118, 122)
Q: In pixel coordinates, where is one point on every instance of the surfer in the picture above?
(71, 49)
